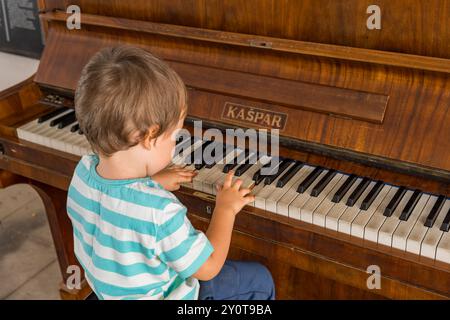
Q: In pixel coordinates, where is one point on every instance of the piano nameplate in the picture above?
(252, 116)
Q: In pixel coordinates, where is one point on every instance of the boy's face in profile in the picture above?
(162, 148)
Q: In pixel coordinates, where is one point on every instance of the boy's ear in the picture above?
(150, 137)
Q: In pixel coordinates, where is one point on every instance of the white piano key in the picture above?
(323, 209)
(74, 142)
(278, 193)
(332, 218)
(404, 228)
(79, 144)
(346, 219)
(391, 223)
(360, 222)
(296, 206)
(443, 249)
(209, 182)
(218, 177)
(197, 181)
(260, 198)
(434, 234)
(291, 194)
(418, 232)
(255, 191)
(247, 177)
(377, 220)
(307, 211)
(24, 132)
(57, 137)
(203, 173)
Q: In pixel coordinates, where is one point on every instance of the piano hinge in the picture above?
(260, 44)
(55, 100)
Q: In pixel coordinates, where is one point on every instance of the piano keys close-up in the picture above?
(354, 200)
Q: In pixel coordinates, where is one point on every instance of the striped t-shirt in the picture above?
(133, 238)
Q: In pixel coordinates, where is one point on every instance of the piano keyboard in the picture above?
(58, 130)
(409, 220)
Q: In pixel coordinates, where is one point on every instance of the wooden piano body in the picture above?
(369, 102)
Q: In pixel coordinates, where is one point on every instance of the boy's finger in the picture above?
(185, 179)
(237, 184)
(244, 192)
(249, 199)
(184, 169)
(187, 173)
(228, 179)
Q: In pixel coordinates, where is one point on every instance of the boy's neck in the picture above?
(122, 165)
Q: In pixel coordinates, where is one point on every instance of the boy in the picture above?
(131, 234)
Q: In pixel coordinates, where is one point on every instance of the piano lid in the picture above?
(282, 65)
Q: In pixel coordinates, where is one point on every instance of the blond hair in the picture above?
(122, 92)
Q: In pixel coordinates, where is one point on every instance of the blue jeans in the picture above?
(239, 280)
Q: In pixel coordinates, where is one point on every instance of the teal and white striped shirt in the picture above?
(133, 238)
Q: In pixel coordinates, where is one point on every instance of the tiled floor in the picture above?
(28, 265)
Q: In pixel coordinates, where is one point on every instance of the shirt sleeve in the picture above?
(178, 244)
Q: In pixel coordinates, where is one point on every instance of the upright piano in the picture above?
(363, 116)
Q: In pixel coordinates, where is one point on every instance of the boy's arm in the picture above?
(219, 234)
(229, 201)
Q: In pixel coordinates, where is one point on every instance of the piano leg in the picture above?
(61, 228)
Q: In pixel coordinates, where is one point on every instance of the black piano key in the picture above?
(52, 114)
(251, 161)
(199, 166)
(368, 200)
(356, 194)
(394, 202)
(278, 171)
(196, 157)
(446, 223)
(235, 162)
(435, 211)
(410, 205)
(259, 179)
(344, 188)
(242, 169)
(75, 128)
(318, 188)
(309, 179)
(210, 165)
(183, 145)
(68, 120)
(199, 161)
(257, 175)
(230, 166)
(289, 174)
(59, 120)
(224, 154)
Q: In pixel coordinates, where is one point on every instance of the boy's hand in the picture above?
(171, 178)
(230, 197)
